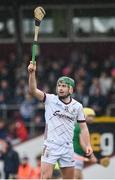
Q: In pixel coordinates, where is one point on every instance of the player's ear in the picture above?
(71, 90)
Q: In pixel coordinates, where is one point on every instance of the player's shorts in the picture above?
(64, 154)
(79, 164)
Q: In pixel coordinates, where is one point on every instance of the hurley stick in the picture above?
(39, 13)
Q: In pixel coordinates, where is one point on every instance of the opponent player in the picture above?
(61, 112)
(79, 146)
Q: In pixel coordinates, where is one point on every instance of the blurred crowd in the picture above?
(95, 86)
(14, 166)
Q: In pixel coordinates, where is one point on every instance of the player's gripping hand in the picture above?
(32, 67)
(88, 151)
(92, 159)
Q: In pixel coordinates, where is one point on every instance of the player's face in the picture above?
(62, 90)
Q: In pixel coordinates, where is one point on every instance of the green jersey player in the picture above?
(79, 145)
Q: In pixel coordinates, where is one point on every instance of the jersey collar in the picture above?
(64, 102)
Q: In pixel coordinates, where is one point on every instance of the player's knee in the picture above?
(78, 174)
(46, 174)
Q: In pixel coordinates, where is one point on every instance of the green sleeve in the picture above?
(76, 140)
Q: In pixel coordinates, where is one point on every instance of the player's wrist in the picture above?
(89, 156)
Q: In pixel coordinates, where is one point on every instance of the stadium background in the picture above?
(76, 38)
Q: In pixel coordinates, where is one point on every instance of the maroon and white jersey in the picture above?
(60, 119)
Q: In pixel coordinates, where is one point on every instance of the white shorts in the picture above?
(64, 154)
(79, 164)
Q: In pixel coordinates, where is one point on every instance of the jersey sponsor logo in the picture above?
(57, 113)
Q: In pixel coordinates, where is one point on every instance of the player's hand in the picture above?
(32, 67)
(92, 159)
(88, 151)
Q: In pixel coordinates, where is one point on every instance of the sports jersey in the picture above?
(76, 140)
(60, 119)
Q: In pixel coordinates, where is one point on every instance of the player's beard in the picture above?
(64, 97)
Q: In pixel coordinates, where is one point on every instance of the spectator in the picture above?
(27, 108)
(67, 71)
(105, 83)
(2, 150)
(112, 90)
(17, 131)
(95, 84)
(38, 167)
(2, 100)
(94, 69)
(25, 171)
(11, 161)
(3, 129)
(21, 90)
(80, 94)
(81, 74)
(98, 102)
(11, 66)
(4, 74)
(7, 91)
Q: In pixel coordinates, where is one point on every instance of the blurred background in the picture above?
(77, 39)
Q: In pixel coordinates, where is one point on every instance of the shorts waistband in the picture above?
(59, 144)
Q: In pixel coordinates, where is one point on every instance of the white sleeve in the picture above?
(48, 98)
(81, 116)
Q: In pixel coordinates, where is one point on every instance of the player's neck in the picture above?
(65, 100)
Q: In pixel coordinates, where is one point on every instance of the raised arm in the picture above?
(32, 82)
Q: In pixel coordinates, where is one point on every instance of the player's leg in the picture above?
(67, 161)
(46, 170)
(48, 160)
(67, 172)
(79, 164)
(78, 174)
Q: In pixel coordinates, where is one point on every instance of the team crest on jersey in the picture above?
(66, 109)
(73, 111)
